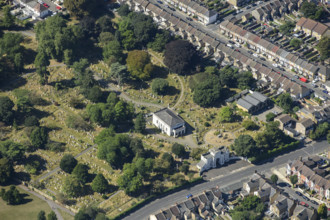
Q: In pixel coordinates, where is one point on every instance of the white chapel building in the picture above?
(215, 156)
(169, 122)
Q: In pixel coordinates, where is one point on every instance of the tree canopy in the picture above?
(320, 131)
(285, 101)
(6, 170)
(180, 56)
(6, 109)
(68, 163)
(178, 150)
(226, 114)
(81, 8)
(11, 56)
(12, 196)
(136, 30)
(130, 181)
(207, 93)
(244, 145)
(115, 112)
(12, 151)
(324, 47)
(118, 149)
(251, 207)
(159, 86)
(81, 172)
(311, 10)
(72, 186)
(100, 184)
(140, 123)
(39, 137)
(139, 64)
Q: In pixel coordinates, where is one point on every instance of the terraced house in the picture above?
(313, 28)
(202, 13)
(273, 52)
(309, 174)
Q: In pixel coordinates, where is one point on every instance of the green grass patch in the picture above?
(29, 210)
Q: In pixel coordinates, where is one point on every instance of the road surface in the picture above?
(233, 178)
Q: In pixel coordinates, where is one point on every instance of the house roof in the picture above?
(306, 122)
(303, 213)
(320, 28)
(169, 117)
(244, 104)
(252, 100)
(309, 24)
(259, 96)
(285, 118)
(301, 22)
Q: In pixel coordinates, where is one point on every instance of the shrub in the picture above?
(76, 122)
(31, 121)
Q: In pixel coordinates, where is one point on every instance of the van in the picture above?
(229, 45)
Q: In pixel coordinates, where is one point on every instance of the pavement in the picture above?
(234, 178)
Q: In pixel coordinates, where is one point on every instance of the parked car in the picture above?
(325, 91)
(59, 7)
(298, 193)
(189, 195)
(189, 19)
(314, 202)
(304, 204)
(44, 4)
(306, 198)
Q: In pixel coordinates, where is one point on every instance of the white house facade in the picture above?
(215, 156)
(34, 8)
(169, 123)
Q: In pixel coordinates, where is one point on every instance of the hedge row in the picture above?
(275, 152)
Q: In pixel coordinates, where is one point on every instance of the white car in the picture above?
(256, 55)
(274, 64)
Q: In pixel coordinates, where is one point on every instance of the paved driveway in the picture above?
(262, 116)
(233, 165)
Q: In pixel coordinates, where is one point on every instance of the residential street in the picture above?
(233, 178)
(213, 31)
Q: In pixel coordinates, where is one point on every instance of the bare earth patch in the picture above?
(212, 137)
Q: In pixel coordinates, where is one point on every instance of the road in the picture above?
(213, 31)
(233, 178)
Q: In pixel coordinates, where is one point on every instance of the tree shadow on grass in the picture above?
(24, 199)
(24, 176)
(160, 72)
(29, 56)
(171, 91)
(12, 83)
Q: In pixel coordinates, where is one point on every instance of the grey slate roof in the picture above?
(251, 100)
(259, 96)
(244, 104)
(169, 117)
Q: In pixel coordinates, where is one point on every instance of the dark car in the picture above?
(189, 19)
(298, 193)
(314, 202)
(189, 195)
(306, 198)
